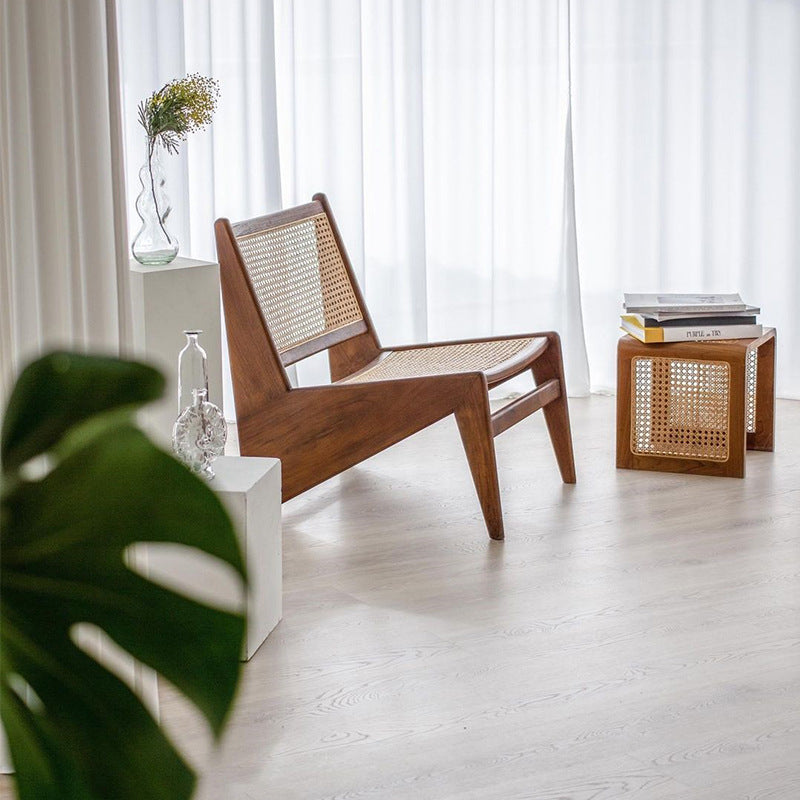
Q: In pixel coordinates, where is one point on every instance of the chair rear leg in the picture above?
(475, 425)
(556, 414)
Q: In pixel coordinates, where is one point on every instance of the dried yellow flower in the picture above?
(182, 106)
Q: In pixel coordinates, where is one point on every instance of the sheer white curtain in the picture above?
(443, 154)
(232, 168)
(62, 233)
(439, 129)
(687, 123)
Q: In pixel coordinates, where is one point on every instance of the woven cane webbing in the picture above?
(751, 372)
(442, 360)
(680, 408)
(300, 281)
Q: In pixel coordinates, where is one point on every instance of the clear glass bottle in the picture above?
(192, 371)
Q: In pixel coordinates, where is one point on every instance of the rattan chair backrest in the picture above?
(300, 281)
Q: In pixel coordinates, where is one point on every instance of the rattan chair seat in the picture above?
(494, 358)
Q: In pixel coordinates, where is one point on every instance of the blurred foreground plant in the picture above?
(80, 485)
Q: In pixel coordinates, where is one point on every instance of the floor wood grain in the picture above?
(635, 636)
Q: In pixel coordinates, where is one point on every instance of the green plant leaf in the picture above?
(62, 389)
(74, 729)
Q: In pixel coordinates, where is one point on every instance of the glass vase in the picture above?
(199, 435)
(192, 370)
(153, 244)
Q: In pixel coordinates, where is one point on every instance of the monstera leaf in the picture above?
(74, 729)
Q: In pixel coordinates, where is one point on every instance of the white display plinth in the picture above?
(250, 488)
(167, 300)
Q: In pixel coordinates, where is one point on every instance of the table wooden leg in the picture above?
(734, 467)
(763, 438)
(624, 455)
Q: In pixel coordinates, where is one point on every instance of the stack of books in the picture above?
(653, 318)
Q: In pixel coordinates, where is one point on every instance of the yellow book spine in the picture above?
(646, 335)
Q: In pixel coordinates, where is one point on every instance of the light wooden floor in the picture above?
(636, 635)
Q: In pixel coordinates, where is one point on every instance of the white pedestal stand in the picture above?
(250, 488)
(168, 300)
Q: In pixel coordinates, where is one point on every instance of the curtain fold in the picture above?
(60, 249)
(571, 322)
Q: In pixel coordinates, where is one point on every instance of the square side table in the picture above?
(695, 407)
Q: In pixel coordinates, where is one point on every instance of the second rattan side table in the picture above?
(695, 407)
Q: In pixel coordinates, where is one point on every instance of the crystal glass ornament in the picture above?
(199, 435)
(192, 370)
(153, 244)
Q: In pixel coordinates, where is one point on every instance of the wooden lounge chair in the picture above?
(289, 291)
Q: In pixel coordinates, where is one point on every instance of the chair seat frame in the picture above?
(319, 431)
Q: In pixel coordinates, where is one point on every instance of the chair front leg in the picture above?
(556, 413)
(475, 426)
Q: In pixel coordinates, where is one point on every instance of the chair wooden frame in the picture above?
(319, 431)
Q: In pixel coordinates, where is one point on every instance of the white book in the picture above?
(666, 316)
(683, 303)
